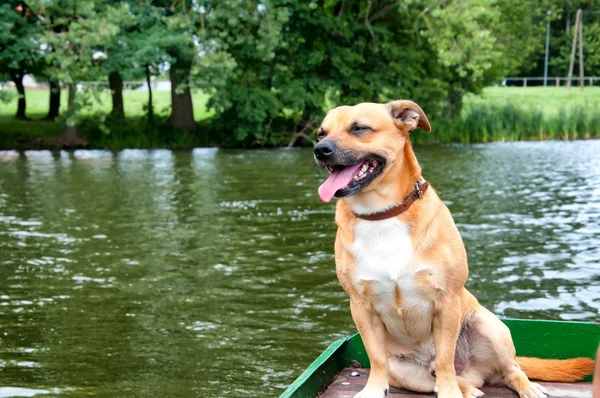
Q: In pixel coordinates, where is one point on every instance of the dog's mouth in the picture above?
(345, 181)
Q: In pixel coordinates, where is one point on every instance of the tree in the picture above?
(117, 56)
(54, 100)
(182, 18)
(143, 35)
(71, 52)
(53, 83)
(19, 46)
(287, 61)
(563, 31)
(561, 36)
(144, 44)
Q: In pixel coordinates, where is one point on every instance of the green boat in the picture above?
(342, 369)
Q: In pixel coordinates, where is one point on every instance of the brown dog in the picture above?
(402, 261)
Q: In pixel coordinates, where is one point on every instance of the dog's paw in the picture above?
(373, 392)
(473, 393)
(534, 391)
(448, 391)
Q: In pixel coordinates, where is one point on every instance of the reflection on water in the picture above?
(210, 273)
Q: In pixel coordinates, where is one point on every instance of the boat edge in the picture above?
(311, 372)
(336, 349)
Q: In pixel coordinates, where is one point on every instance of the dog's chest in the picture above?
(389, 277)
(382, 250)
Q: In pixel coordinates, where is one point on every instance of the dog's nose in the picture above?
(324, 149)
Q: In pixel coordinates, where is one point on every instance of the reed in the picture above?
(498, 114)
(509, 122)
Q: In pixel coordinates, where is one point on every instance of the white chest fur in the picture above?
(382, 249)
(384, 256)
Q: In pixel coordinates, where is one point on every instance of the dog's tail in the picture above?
(564, 370)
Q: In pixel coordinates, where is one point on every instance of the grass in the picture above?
(134, 133)
(522, 114)
(499, 114)
(549, 100)
(509, 122)
(134, 101)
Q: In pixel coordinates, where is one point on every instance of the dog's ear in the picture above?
(409, 114)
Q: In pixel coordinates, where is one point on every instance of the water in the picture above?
(210, 273)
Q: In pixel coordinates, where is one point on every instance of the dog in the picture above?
(402, 262)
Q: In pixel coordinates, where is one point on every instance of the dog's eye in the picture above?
(361, 129)
(321, 135)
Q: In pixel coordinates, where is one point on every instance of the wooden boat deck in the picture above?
(346, 386)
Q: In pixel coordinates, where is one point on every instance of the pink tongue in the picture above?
(337, 180)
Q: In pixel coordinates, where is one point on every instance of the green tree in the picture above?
(239, 66)
(19, 46)
(71, 52)
(480, 41)
(161, 33)
(562, 40)
(287, 61)
(561, 37)
(182, 19)
(142, 34)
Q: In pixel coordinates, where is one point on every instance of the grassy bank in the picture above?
(499, 114)
(134, 133)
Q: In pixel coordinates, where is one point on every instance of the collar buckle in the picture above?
(418, 190)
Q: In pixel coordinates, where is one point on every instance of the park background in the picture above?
(184, 250)
(253, 74)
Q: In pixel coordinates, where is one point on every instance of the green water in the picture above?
(210, 273)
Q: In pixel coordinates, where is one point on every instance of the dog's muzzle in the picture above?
(324, 150)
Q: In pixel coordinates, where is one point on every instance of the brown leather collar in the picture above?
(417, 193)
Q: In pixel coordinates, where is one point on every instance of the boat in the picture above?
(342, 369)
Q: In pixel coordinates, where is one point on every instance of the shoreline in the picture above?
(498, 114)
(14, 153)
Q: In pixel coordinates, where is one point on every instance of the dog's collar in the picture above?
(420, 189)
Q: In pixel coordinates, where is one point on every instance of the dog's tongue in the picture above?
(339, 178)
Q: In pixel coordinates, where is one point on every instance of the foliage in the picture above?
(591, 52)
(72, 50)
(500, 114)
(562, 26)
(6, 96)
(290, 60)
(19, 33)
(271, 68)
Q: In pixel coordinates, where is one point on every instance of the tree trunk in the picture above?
(150, 106)
(69, 138)
(182, 109)
(54, 107)
(115, 83)
(18, 80)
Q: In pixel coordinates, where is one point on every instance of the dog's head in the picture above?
(360, 144)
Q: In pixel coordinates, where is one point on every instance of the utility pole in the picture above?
(581, 83)
(576, 31)
(547, 49)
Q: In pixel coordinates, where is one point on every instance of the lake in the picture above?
(210, 273)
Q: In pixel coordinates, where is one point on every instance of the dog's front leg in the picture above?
(446, 327)
(372, 331)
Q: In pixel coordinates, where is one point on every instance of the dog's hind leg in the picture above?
(470, 382)
(408, 374)
(502, 348)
